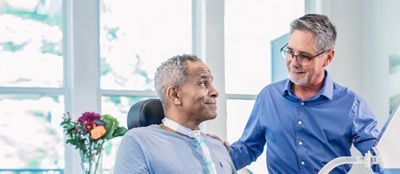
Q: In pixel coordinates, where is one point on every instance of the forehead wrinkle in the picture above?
(202, 75)
(197, 71)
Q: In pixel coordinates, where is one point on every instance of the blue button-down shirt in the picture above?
(302, 136)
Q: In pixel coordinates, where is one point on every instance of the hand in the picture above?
(225, 143)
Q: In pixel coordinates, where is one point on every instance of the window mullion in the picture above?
(241, 96)
(128, 93)
(31, 90)
(214, 55)
(82, 65)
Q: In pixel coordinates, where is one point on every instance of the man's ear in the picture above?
(330, 54)
(173, 95)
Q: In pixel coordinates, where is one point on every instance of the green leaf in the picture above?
(120, 131)
(111, 125)
(109, 130)
(75, 142)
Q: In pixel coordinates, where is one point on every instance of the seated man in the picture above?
(184, 86)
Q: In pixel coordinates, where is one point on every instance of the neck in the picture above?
(183, 121)
(305, 92)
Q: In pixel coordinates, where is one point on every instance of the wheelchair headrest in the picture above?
(145, 113)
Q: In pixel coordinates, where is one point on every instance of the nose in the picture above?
(213, 91)
(294, 57)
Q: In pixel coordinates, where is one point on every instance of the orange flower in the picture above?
(97, 132)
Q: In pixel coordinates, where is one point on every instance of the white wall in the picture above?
(368, 32)
(381, 39)
(347, 68)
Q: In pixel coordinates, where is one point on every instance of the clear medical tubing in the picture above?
(368, 160)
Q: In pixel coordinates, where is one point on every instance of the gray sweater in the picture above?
(154, 150)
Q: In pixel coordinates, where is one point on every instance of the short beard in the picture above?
(300, 82)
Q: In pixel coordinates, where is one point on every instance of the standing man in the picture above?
(306, 120)
(185, 87)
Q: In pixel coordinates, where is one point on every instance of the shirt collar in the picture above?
(326, 90)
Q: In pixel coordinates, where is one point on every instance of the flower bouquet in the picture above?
(88, 134)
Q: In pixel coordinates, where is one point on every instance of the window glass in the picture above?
(31, 43)
(250, 26)
(394, 81)
(30, 135)
(136, 36)
(238, 112)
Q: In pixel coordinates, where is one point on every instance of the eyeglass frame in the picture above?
(299, 58)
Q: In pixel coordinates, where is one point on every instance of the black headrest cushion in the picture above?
(145, 113)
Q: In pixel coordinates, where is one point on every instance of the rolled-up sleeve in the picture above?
(365, 129)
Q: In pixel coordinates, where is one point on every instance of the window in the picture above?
(31, 85)
(250, 27)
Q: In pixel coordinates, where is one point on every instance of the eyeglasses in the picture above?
(301, 58)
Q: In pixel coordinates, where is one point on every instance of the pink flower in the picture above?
(89, 120)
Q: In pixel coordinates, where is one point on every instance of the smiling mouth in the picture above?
(297, 72)
(211, 103)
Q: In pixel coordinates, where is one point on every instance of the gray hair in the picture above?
(172, 73)
(320, 26)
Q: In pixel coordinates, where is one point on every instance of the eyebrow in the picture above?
(202, 76)
(206, 77)
(300, 52)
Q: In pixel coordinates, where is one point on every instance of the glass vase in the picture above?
(91, 163)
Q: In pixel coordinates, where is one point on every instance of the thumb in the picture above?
(227, 145)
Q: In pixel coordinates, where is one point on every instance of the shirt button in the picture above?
(299, 122)
(300, 143)
(302, 163)
(302, 103)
